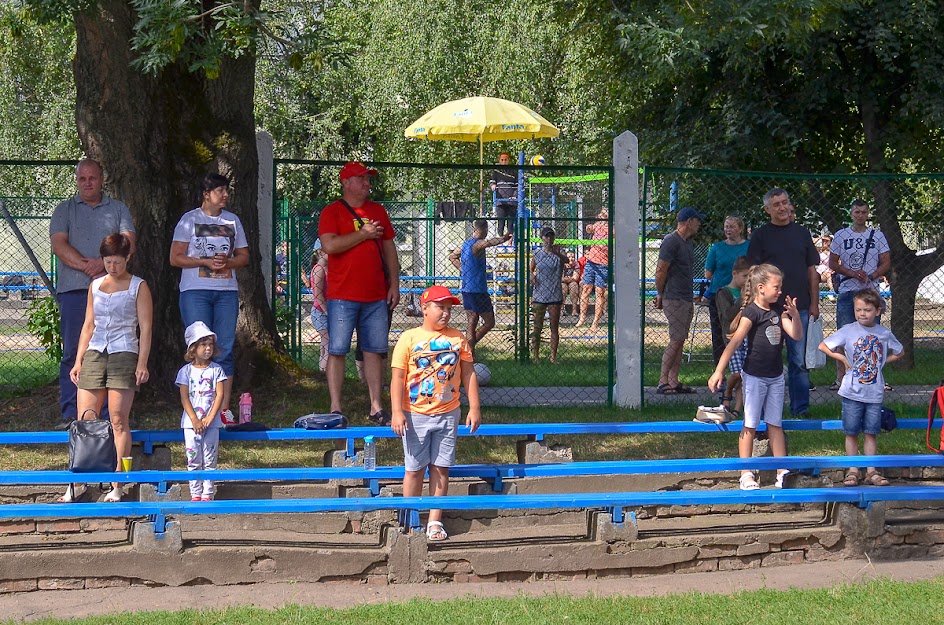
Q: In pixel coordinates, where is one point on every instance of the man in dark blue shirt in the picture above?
(789, 247)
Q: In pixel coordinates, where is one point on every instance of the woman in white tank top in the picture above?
(112, 357)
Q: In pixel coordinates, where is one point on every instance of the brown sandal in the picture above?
(852, 478)
(876, 479)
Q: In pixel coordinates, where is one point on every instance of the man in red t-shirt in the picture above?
(363, 283)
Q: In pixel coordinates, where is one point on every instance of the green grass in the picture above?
(585, 364)
(928, 369)
(22, 371)
(588, 367)
(878, 602)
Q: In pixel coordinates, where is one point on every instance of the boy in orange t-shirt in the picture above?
(428, 364)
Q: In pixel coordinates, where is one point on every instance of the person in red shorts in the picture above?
(363, 283)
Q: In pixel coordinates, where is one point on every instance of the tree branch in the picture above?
(207, 13)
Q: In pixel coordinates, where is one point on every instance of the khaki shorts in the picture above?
(679, 313)
(103, 370)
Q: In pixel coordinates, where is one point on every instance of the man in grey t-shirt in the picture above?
(76, 231)
(674, 278)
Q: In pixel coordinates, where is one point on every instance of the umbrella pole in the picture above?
(481, 180)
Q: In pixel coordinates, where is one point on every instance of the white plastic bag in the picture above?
(814, 336)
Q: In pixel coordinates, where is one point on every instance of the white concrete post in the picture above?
(626, 232)
(265, 206)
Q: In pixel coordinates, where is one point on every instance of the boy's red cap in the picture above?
(356, 168)
(438, 294)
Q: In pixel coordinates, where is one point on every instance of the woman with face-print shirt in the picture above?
(209, 246)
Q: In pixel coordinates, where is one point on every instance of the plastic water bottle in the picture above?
(245, 408)
(370, 453)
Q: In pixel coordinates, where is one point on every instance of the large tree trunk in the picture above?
(156, 136)
(908, 270)
(903, 277)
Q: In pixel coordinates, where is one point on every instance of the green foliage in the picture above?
(821, 85)
(402, 59)
(37, 94)
(43, 323)
(284, 317)
(168, 31)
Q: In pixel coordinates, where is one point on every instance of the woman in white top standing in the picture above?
(112, 359)
(209, 246)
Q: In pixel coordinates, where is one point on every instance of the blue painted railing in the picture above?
(535, 431)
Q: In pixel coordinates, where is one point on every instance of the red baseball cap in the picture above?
(438, 294)
(356, 168)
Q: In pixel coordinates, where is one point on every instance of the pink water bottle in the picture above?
(245, 408)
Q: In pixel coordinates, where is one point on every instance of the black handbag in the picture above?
(889, 420)
(92, 446)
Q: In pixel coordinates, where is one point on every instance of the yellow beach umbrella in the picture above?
(480, 119)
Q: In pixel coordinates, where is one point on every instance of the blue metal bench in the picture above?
(409, 507)
(534, 431)
(613, 503)
(612, 467)
(492, 473)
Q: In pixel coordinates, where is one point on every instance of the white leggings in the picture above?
(202, 452)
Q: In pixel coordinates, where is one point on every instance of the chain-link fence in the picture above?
(906, 209)
(29, 191)
(433, 209)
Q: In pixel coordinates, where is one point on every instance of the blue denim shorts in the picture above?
(370, 319)
(859, 417)
(477, 302)
(319, 319)
(596, 274)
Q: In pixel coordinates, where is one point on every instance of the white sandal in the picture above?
(747, 481)
(435, 532)
(113, 496)
(73, 493)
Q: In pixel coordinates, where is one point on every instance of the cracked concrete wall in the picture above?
(493, 546)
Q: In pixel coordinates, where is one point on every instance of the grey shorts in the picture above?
(679, 313)
(430, 439)
(763, 398)
(103, 370)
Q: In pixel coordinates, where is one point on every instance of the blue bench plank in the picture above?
(857, 495)
(487, 471)
(537, 430)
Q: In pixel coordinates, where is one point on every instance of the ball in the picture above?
(482, 373)
(538, 161)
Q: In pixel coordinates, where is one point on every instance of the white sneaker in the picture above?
(780, 476)
(747, 481)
